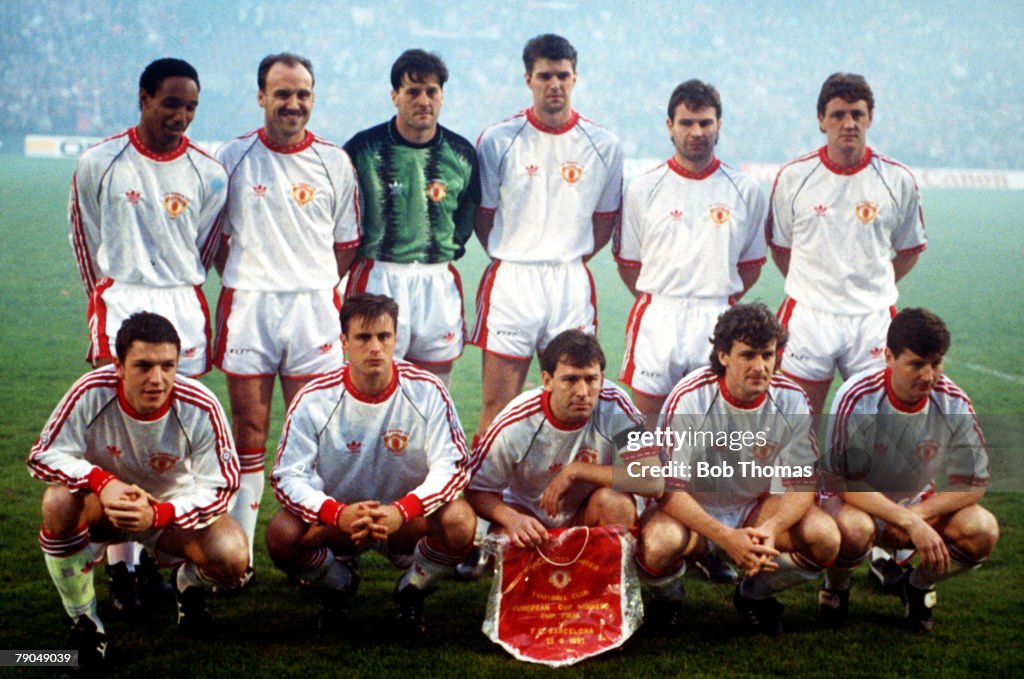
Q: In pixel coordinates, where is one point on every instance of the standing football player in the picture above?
(420, 190)
(551, 185)
(143, 227)
(836, 218)
(291, 227)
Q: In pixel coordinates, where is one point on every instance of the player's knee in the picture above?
(822, 536)
(227, 550)
(283, 534)
(982, 533)
(61, 510)
(614, 507)
(856, 531)
(458, 524)
(662, 543)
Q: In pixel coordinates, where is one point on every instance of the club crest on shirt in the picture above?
(587, 455)
(175, 204)
(720, 214)
(764, 453)
(132, 197)
(302, 193)
(396, 440)
(927, 450)
(436, 191)
(161, 462)
(572, 172)
(866, 211)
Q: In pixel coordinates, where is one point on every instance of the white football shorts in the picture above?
(667, 338)
(184, 306)
(522, 307)
(431, 326)
(819, 341)
(294, 334)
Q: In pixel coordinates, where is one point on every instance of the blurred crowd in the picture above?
(947, 76)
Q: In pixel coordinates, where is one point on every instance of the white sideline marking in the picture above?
(995, 373)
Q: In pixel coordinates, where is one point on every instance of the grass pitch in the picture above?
(972, 275)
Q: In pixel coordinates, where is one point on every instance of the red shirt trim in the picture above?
(98, 479)
(163, 513)
(122, 400)
(369, 398)
(306, 142)
(735, 402)
(674, 165)
(545, 402)
(898, 404)
(410, 506)
(561, 129)
(827, 162)
(136, 140)
(329, 512)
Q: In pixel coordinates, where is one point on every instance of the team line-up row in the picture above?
(283, 215)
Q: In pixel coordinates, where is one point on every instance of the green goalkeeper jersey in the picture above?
(418, 200)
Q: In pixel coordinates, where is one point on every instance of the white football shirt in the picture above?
(843, 227)
(545, 184)
(143, 218)
(288, 210)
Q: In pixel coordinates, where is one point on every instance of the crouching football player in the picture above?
(136, 452)
(753, 426)
(547, 460)
(371, 455)
(891, 433)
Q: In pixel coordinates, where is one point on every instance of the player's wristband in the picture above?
(98, 479)
(410, 506)
(329, 512)
(163, 513)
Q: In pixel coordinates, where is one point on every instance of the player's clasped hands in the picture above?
(127, 506)
(369, 521)
(752, 549)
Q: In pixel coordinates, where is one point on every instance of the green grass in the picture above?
(972, 275)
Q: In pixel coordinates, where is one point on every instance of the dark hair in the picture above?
(850, 87)
(574, 347)
(161, 69)
(696, 95)
(145, 326)
(919, 330)
(752, 324)
(286, 58)
(369, 307)
(418, 65)
(548, 46)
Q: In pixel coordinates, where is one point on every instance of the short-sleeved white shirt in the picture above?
(689, 232)
(288, 210)
(843, 227)
(545, 184)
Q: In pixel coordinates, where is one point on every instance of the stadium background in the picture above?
(947, 78)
